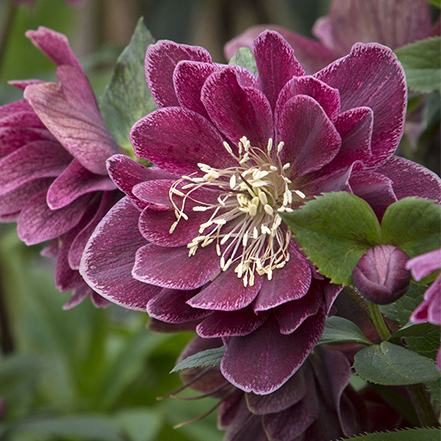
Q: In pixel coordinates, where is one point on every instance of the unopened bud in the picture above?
(381, 275)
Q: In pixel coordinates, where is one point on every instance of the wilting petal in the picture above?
(371, 76)
(411, 179)
(265, 359)
(73, 183)
(304, 128)
(236, 110)
(231, 323)
(173, 268)
(276, 64)
(37, 222)
(177, 140)
(69, 110)
(55, 46)
(160, 62)
(226, 293)
(110, 255)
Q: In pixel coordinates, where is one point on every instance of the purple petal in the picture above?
(170, 306)
(371, 76)
(22, 84)
(288, 283)
(264, 360)
(177, 140)
(237, 110)
(173, 268)
(283, 398)
(425, 264)
(327, 97)
(167, 328)
(21, 119)
(160, 62)
(38, 159)
(55, 46)
(14, 107)
(276, 64)
(433, 293)
(231, 323)
(69, 110)
(331, 292)
(51, 249)
(110, 255)
(292, 314)
(73, 183)
(411, 179)
(78, 296)
(37, 222)
(97, 300)
(310, 138)
(226, 293)
(12, 138)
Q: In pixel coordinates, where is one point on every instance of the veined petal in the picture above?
(425, 264)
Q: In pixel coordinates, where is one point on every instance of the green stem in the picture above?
(6, 29)
(378, 321)
(358, 299)
(422, 405)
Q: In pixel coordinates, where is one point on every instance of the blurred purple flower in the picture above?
(199, 239)
(393, 23)
(430, 309)
(380, 274)
(53, 177)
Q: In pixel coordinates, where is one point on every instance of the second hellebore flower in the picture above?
(198, 240)
(53, 176)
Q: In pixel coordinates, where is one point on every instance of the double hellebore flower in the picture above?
(380, 274)
(393, 23)
(316, 404)
(199, 239)
(53, 177)
(430, 309)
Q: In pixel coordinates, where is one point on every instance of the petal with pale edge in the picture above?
(109, 257)
(161, 60)
(264, 360)
(372, 76)
(425, 264)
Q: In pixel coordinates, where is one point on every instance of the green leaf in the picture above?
(127, 99)
(389, 364)
(422, 64)
(210, 357)
(436, 3)
(244, 57)
(335, 230)
(142, 424)
(338, 329)
(425, 434)
(427, 345)
(415, 330)
(412, 224)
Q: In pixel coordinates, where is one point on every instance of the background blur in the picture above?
(89, 374)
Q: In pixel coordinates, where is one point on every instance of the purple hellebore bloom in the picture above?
(53, 177)
(430, 308)
(380, 274)
(393, 23)
(198, 240)
(316, 404)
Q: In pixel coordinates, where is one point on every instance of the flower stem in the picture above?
(378, 321)
(358, 299)
(422, 405)
(8, 20)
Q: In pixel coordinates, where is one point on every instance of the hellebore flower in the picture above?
(316, 404)
(393, 23)
(198, 240)
(380, 274)
(53, 177)
(430, 308)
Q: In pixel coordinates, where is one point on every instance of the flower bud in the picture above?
(381, 275)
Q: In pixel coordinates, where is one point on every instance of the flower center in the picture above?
(244, 222)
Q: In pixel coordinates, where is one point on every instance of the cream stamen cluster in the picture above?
(244, 222)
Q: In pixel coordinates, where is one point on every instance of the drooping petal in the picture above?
(231, 323)
(264, 360)
(69, 110)
(73, 183)
(55, 46)
(276, 64)
(371, 76)
(160, 62)
(177, 139)
(37, 222)
(237, 110)
(310, 138)
(109, 257)
(411, 179)
(173, 268)
(226, 293)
